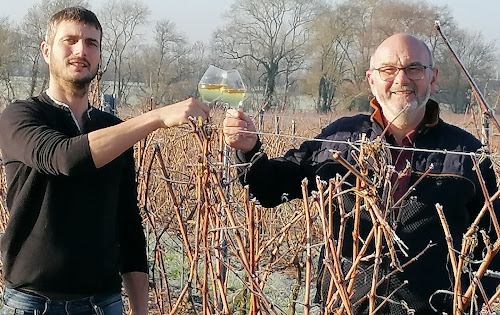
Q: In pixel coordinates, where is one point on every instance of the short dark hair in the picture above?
(76, 14)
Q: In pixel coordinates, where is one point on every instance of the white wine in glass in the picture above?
(234, 90)
(211, 84)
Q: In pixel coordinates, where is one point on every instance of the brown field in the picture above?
(211, 249)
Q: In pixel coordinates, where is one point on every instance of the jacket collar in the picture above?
(431, 116)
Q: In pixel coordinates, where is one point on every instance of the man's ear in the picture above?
(369, 77)
(45, 48)
(434, 79)
(368, 74)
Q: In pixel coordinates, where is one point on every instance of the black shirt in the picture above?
(73, 228)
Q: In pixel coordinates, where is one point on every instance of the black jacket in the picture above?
(452, 183)
(73, 228)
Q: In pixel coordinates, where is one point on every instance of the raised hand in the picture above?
(235, 124)
(177, 114)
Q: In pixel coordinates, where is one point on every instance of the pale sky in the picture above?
(198, 18)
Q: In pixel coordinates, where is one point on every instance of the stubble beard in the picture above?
(407, 110)
(76, 86)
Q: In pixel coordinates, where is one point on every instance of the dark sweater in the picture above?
(73, 228)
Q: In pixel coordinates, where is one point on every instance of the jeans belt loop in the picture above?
(97, 308)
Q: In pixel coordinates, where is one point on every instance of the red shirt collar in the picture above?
(430, 119)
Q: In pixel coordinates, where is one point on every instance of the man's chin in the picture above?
(408, 105)
(82, 81)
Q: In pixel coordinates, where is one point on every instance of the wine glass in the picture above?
(211, 84)
(233, 91)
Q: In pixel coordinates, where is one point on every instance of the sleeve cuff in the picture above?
(245, 157)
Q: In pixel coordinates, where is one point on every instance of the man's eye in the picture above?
(415, 68)
(389, 70)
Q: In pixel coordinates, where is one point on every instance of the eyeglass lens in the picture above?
(412, 72)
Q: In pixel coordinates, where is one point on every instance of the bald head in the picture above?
(402, 78)
(400, 45)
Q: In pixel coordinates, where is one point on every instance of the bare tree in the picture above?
(271, 32)
(9, 55)
(165, 64)
(376, 20)
(346, 35)
(330, 42)
(32, 34)
(120, 22)
(477, 56)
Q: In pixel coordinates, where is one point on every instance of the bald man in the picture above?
(402, 77)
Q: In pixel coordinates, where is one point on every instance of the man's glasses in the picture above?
(413, 72)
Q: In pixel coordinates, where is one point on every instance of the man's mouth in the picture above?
(79, 63)
(403, 92)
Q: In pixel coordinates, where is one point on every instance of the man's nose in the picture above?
(80, 49)
(401, 77)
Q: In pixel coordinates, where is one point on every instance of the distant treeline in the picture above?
(287, 51)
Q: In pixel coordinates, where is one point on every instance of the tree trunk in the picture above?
(272, 72)
(34, 75)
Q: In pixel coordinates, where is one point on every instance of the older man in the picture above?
(401, 77)
(75, 231)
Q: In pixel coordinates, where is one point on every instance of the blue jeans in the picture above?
(17, 302)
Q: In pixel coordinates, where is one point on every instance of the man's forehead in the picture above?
(76, 28)
(400, 54)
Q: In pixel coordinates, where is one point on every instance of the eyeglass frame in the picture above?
(404, 69)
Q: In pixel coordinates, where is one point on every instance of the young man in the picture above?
(401, 77)
(75, 231)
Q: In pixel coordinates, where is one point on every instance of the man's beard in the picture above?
(415, 104)
(76, 86)
(84, 82)
(405, 115)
